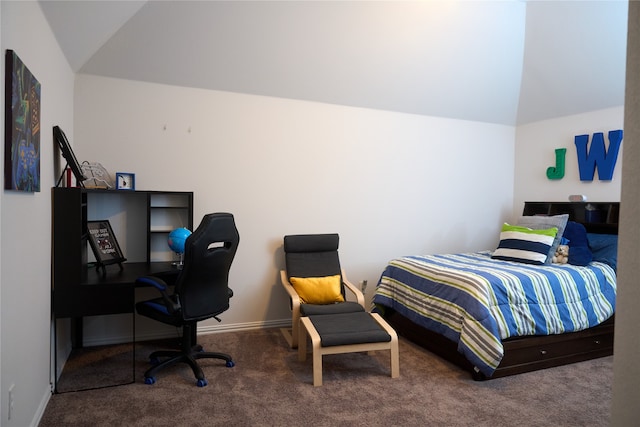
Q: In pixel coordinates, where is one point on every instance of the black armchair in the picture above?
(316, 256)
(201, 292)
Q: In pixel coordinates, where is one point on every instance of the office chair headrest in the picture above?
(300, 243)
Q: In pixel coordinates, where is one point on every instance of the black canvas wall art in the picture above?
(22, 127)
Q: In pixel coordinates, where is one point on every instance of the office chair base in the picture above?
(189, 358)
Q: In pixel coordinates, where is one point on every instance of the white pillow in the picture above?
(523, 244)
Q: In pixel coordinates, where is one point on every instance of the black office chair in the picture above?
(315, 256)
(201, 292)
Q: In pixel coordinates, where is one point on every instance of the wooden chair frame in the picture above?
(291, 335)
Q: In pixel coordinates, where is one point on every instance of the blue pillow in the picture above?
(579, 252)
(604, 248)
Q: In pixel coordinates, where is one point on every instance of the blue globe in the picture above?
(177, 238)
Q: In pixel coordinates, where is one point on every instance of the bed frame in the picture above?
(526, 354)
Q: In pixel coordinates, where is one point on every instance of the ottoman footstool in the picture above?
(346, 333)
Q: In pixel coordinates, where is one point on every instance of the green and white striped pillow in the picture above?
(523, 244)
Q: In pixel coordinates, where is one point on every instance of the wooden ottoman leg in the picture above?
(395, 357)
(302, 340)
(317, 364)
(395, 353)
(306, 324)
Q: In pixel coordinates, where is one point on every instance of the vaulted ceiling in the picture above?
(504, 61)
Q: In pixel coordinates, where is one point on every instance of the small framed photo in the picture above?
(125, 181)
(104, 243)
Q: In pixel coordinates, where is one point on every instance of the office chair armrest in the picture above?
(353, 289)
(161, 286)
(156, 282)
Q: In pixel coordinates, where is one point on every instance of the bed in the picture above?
(495, 317)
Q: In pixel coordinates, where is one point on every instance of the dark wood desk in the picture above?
(141, 220)
(112, 293)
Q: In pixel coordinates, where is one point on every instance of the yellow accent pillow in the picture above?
(318, 290)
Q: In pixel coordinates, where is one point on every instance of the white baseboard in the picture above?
(237, 327)
(46, 396)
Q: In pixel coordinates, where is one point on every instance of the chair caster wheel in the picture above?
(149, 380)
(201, 383)
(230, 364)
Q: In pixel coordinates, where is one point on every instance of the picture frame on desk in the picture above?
(68, 154)
(104, 244)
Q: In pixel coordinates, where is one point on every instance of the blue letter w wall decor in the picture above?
(598, 156)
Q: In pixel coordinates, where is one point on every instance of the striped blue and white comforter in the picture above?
(477, 301)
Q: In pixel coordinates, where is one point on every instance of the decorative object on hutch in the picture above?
(97, 175)
(125, 181)
(176, 241)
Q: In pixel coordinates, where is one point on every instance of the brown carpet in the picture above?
(269, 387)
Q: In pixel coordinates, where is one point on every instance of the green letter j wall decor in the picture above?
(558, 171)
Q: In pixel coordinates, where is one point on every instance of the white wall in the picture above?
(535, 152)
(26, 223)
(391, 184)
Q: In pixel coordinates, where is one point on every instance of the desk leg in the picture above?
(77, 332)
(133, 347)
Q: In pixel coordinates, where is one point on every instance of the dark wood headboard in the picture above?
(597, 217)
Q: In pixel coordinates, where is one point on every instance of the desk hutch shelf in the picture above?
(597, 217)
(141, 221)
